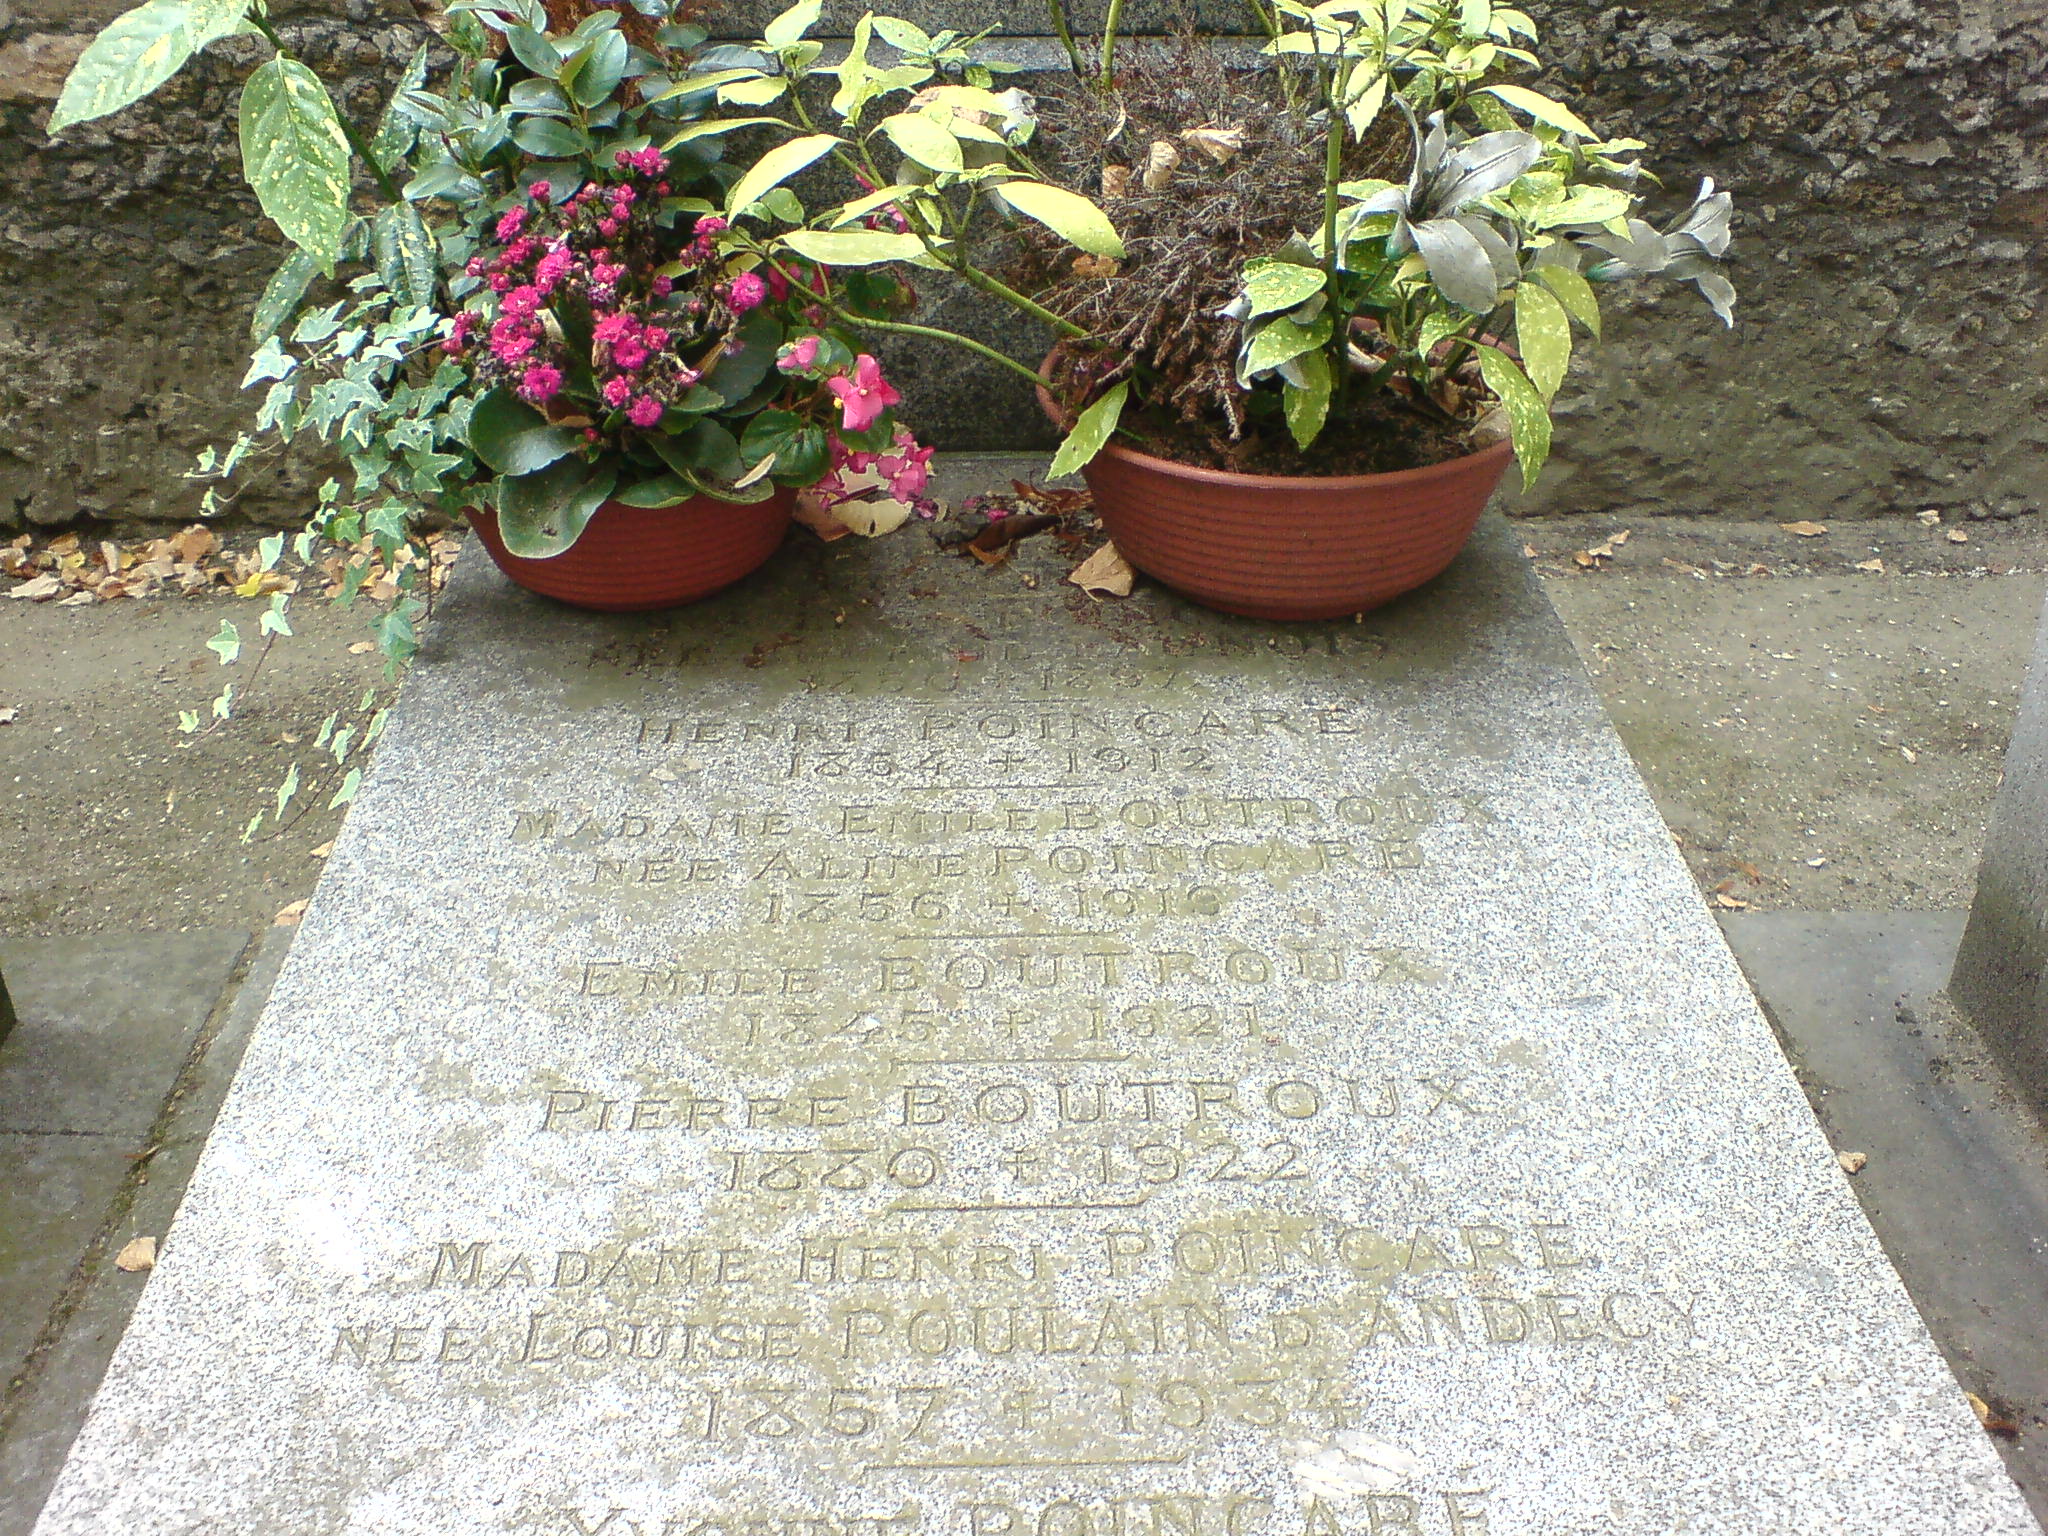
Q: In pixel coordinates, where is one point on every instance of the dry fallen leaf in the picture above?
(1909, 754)
(288, 917)
(1929, 518)
(1116, 181)
(811, 513)
(1805, 530)
(323, 850)
(1994, 1421)
(139, 1254)
(1876, 567)
(1957, 536)
(1852, 1162)
(77, 600)
(1097, 266)
(1730, 903)
(871, 517)
(194, 544)
(39, 589)
(1160, 165)
(362, 648)
(1221, 145)
(1105, 574)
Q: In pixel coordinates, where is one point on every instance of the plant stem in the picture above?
(1066, 36)
(384, 182)
(1109, 31)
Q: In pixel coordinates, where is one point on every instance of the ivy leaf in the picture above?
(296, 156)
(1090, 433)
(513, 438)
(776, 167)
(138, 53)
(1528, 415)
(281, 296)
(227, 645)
(1308, 403)
(1067, 214)
(286, 790)
(1273, 285)
(349, 786)
(407, 257)
(1543, 332)
(541, 515)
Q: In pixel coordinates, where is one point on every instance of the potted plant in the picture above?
(1349, 294)
(533, 319)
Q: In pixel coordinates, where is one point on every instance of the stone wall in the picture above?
(1888, 158)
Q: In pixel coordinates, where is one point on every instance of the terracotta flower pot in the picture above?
(631, 559)
(1283, 547)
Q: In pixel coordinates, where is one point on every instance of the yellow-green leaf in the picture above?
(856, 247)
(296, 156)
(1543, 109)
(1308, 403)
(1090, 433)
(1528, 416)
(1067, 214)
(138, 52)
(924, 141)
(1544, 333)
(757, 92)
(776, 167)
(1574, 291)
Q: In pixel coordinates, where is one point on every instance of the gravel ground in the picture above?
(1817, 735)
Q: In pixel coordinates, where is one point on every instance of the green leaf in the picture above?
(854, 247)
(602, 71)
(227, 645)
(1273, 285)
(188, 720)
(793, 23)
(1308, 403)
(903, 36)
(1543, 109)
(296, 156)
(719, 126)
(776, 167)
(756, 92)
(924, 141)
(1364, 109)
(397, 133)
(1440, 324)
(541, 515)
(1528, 415)
(1544, 333)
(1090, 433)
(349, 787)
(549, 139)
(1281, 341)
(138, 52)
(281, 296)
(669, 490)
(513, 438)
(696, 84)
(287, 789)
(1067, 214)
(533, 49)
(407, 257)
(857, 83)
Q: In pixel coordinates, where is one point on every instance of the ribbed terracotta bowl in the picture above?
(1278, 547)
(632, 559)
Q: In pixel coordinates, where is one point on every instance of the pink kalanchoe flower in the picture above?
(748, 290)
(778, 285)
(553, 267)
(654, 338)
(618, 393)
(610, 228)
(521, 303)
(631, 355)
(510, 225)
(800, 357)
(540, 191)
(622, 196)
(711, 224)
(502, 282)
(645, 413)
(663, 286)
(613, 329)
(540, 384)
(510, 342)
(650, 161)
(864, 396)
(477, 266)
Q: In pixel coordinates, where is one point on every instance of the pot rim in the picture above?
(1235, 480)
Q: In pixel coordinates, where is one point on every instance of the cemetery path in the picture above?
(1784, 705)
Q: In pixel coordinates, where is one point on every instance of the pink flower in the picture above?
(711, 224)
(607, 273)
(541, 384)
(663, 286)
(648, 161)
(800, 357)
(908, 469)
(613, 329)
(610, 228)
(521, 304)
(617, 392)
(540, 191)
(646, 413)
(520, 251)
(748, 290)
(510, 342)
(630, 355)
(622, 197)
(865, 396)
(654, 338)
(552, 269)
(778, 285)
(510, 225)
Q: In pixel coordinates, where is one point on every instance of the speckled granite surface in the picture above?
(899, 1051)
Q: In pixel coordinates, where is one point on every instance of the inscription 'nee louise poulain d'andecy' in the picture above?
(1030, 1071)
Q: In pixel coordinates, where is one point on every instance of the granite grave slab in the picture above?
(905, 1049)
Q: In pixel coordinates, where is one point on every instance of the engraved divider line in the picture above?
(1054, 1205)
(994, 1465)
(998, 1061)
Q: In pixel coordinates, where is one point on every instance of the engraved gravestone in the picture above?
(901, 1050)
